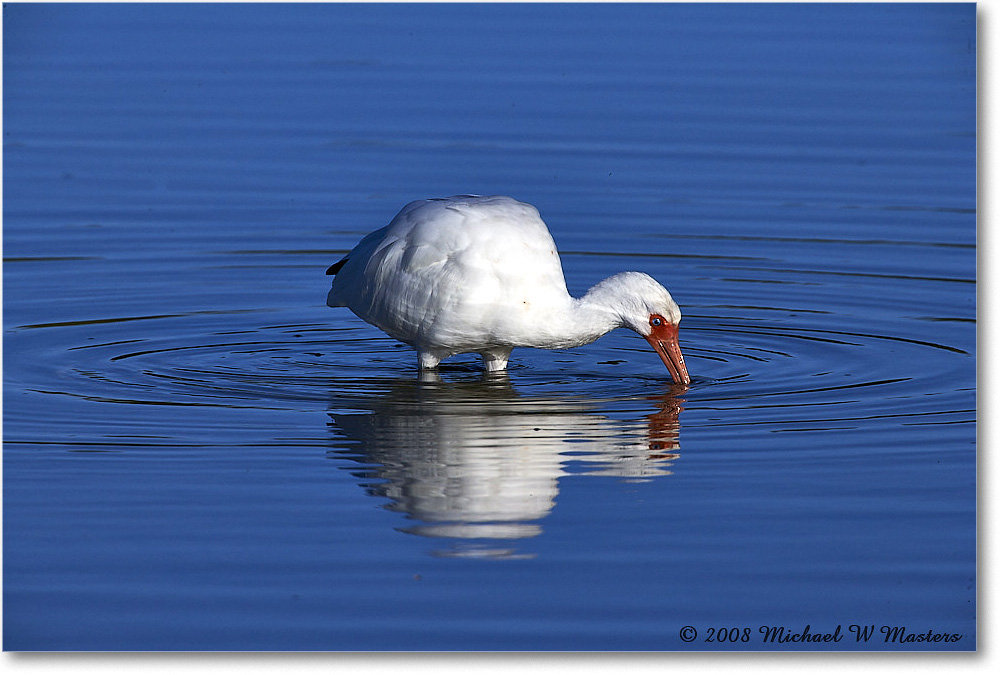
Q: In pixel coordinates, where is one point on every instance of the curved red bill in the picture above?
(664, 340)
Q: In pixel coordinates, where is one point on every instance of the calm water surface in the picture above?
(199, 454)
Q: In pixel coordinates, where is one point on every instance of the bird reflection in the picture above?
(478, 464)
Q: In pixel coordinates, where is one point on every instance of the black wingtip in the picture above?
(335, 267)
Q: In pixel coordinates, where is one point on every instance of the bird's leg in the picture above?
(428, 360)
(495, 360)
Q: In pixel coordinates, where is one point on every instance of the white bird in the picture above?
(482, 275)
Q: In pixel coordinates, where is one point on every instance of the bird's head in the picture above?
(646, 307)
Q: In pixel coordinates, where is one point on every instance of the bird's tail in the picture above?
(333, 298)
(335, 267)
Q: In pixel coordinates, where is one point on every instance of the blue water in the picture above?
(200, 455)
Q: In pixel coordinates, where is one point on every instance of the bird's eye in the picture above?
(655, 320)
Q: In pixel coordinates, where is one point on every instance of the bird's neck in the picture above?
(575, 322)
(591, 318)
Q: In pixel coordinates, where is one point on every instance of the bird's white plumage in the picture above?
(482, 274)
(463, 273)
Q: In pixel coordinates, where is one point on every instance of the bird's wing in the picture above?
(446, 271)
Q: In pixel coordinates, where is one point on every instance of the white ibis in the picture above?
(482, 275)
